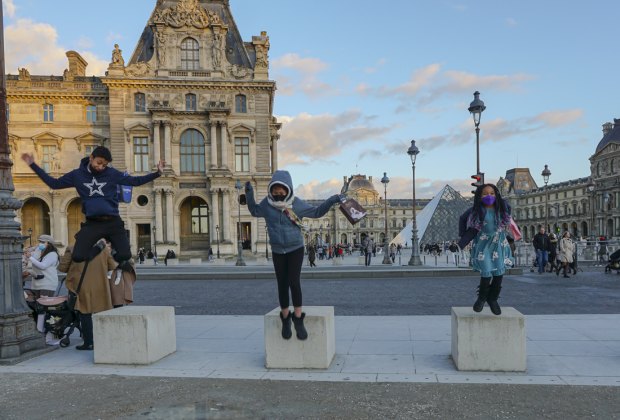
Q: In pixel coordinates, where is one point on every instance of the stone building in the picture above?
(193, 93)
(587, 206)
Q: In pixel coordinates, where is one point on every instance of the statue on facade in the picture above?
(117, 57)
(161, 48)
(24, 74)
(216, 49)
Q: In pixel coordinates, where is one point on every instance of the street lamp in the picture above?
(266, 240)
(30, 236)
(591, 187)
(154, 239)
(546, 173)
(386, 245)
(240, 261)
(217, 233)
(476, 107)
(413, 152)
(606, 199)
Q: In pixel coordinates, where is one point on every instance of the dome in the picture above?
(361, 182)
(612, 135)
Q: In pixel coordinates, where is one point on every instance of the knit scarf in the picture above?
(287, 208)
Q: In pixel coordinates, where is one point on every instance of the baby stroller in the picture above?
(57, 315)
(613, 263)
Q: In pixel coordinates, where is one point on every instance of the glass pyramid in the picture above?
(439, 219)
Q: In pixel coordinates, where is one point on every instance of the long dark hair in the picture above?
(502, 209)
(49, 248)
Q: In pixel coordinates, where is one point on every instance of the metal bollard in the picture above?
(435, 260)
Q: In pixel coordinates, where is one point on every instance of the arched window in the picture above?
(192, 152)
(190, 54)
(190, 102)
(140, 102)
(241, 104)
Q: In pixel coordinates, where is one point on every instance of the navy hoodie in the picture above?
(98, 190)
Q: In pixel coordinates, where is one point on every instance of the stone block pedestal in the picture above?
(486, 342)
(317, 352)
(195, 261)
(134, 335)
(173, 261)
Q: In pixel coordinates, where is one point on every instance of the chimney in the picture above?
(370, 179)
(77, 65)
(607, 127)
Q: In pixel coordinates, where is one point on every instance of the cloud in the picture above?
(373, 69)
(9, 8)
(319, 190)
(511, 22)
(300, 74)
(85, 43)
(430, 83)
(307, 137)
(499, 129)
(112, 37)
(34, 45)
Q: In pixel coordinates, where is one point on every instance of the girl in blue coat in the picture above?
(283, 214)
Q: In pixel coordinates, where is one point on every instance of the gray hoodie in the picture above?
(284, 235)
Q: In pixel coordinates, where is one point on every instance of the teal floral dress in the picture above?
(490, 252)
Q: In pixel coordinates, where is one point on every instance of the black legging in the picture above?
(288, 270)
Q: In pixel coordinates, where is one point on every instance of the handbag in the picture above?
(514, 231)
(352, 210)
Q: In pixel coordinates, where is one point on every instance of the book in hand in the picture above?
(352, 210)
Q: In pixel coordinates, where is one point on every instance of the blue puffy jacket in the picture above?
(284, 235)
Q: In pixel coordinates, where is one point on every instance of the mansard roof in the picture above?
(612, 135)
(195, 14)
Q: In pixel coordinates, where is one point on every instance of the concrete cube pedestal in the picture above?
(219, 261)
(361, 260)
(134, 335)
(195, 261)
(317, 352)
(173, 261)
(486, 342)
(337, 261)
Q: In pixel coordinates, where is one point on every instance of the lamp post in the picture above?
(591, 187)
(266, 240)
(413, 153)
(217, 233)
(30, 236)
(476, 108)
(546, 173)
(606, 199)
(386, 245)
(240, 261)
(321, 235)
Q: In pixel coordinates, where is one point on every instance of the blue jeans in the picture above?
(541, 258)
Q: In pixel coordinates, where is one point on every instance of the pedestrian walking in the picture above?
(283, 213)
(311, 255)
(567, 249)
(486, 223)
(541, 245)
(367, 246)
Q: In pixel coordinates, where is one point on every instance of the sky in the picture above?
(358, 80)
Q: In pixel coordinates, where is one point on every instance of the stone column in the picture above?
(213, 145)
(169, 215)
(63, 232)
(159, 222)
(55, 215)
(215, 213)
(156, 143)
(167, 144)
(274, 153)
(224, 130)
(226, 215)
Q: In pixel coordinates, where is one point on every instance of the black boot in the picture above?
(483, 291)
(300, 330)
(496, 287)
(286, 326)
(86, 327)
(566, 276)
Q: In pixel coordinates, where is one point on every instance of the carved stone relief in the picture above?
(187, 13)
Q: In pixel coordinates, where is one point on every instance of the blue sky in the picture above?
(358, 80)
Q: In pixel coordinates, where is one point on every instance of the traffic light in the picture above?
(479, 180)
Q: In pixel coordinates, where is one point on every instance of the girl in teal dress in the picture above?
(489, 219)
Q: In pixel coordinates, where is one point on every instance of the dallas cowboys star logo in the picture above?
(95, 187)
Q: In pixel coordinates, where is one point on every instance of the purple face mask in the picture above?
(488, 200)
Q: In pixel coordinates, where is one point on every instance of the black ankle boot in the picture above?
(483, 291)
(300, 330)
(86, 328)
(286, 326)
(495, 288)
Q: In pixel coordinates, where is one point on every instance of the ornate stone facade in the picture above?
(193, 94)
(588, 206)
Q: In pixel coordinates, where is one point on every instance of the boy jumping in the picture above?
(97, 183)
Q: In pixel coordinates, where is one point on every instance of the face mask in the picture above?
(42, 247)
(488, 200)
(279, 197)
